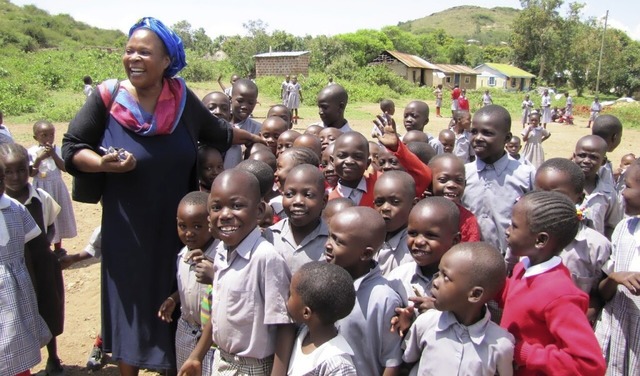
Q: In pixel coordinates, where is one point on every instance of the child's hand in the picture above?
(204, 271)
(388, 136)
(401, 322)
(422, 303)
(191, 367)
(630, 280)
(193, 256)
(166, 310)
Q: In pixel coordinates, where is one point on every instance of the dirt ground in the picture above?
(82, 281)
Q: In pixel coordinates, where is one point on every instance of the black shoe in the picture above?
(96, 359)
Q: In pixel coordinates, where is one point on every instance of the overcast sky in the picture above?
(300, 17)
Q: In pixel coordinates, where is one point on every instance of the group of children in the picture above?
(322, 253)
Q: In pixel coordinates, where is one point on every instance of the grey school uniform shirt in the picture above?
(491, 192)
(233, 156)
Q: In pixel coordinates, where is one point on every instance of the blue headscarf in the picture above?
(171, 41)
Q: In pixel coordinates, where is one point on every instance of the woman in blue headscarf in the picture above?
(154, 122)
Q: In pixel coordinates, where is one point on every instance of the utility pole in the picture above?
(604, 32)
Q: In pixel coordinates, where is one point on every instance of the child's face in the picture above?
(449, 179)
(414, 118)
(589, 157)
(428, 236)
(330, 109)
(16, 173)
(487, 138)
(627, 160)
(448, 141)
(285, 141)
(45, 134)
(328, 170)
(387, 161)
(344, 247)
(393, 202)
(280, 111)
(243, 102)
(520, 239)
(271, 130)
(631, 192)
(302, 199)
(283, 167)
(559, 181)
(350, 158)
(328, 136)
(451, 285)
(534, 120)
(233, 211)
(211, 167)
(295, 305)
(193, 227)
(218, 105)
(374, 153)
(513, 147)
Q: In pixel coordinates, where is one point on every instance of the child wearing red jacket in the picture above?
(543, 309)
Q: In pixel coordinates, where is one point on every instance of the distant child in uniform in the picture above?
(251, 338)
(352, 246)
(46, 168)
(462, 125)
(271, 130)
(486, 98)
(533, 136)
(321, 294)
(447, 139)
(24, 331)
(458, 337)
(617, 329)
(596, 107)
(393, 197)
(543, 308)
(513, 147)
(618, 175)
(209, 165)
(218, 104)
(438, 93)
(294, 97)
(527, 107)
(193, 231)
(88, 86)
(609, 128)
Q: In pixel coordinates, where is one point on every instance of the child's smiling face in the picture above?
(193, 229)
(590, 154)
(488, 138)
(303, 197)
(429, 236)
(449, 178)
(351, 158)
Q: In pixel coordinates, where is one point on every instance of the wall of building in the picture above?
(283, 65)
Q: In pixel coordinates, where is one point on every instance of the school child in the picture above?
(449, 182)
(46, 168)
(332, 101)
(309, 141)
(264, 155)
(88, 86)
(337, 205)
(218, 104)
(527, 107)
(415, 136)
(193, 233)
(486, 98)
(228, 90)
(393, 197)
(294, 97)
(617, 329)
(351, 158)
(513, 147)
(300, 237)
(461, 126)
(596, 107)
(609, 128)
(314, 129)
(286, 140)
(352, 247)
(283, 89)
(329, 136)
(432, 230)
(374, 153)
(243, 101)
(320, 294)
(287, 160)
(455, 94)
(534, 136)
(422, 150)
(458, 336)
(546, 109)
(41, 262)
(416, 116)
(209, 165)
(543, 308)
(22, 330)
(329, 172)
(270, 131)
(387, 161)
(589, 250)
(249, 320)
(494, 180)
(463, 102)
(447, 139)
(282, 112)
(568, 106)
(387, 107)
(618, 174)
(438, 93)
(600, 205)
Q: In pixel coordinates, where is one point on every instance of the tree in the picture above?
(183, 29)
(403, 41)
(365, 45)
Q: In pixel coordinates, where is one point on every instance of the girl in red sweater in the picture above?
(543, 309)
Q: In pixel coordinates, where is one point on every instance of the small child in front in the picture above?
(194, 234)
(249, 320)
(208, 165)
(270, 131)
(320, 294)
(352, 245)
(458, 337)
(543, 308)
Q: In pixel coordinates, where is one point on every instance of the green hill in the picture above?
(489, 26)
(29, 28)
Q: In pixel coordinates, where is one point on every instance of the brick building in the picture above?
(282, 63)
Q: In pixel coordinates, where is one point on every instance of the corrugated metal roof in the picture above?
(453, 68)
(281, 54)
(411, 61)
(508, 70)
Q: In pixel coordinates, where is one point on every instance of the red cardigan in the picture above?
(420, 172)
(469, 229)
(546, 313)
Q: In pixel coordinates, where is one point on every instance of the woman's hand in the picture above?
(112, 163)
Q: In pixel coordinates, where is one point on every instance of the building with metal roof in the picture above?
(503, 76)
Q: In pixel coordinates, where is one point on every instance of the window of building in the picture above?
(492, 81)
(467, 80)
(513, 82)
(448, 79)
